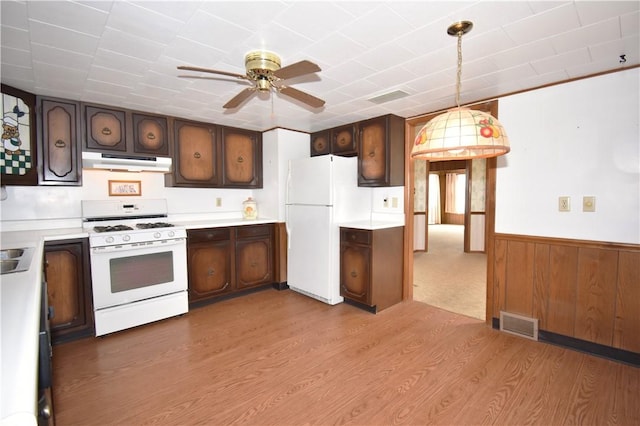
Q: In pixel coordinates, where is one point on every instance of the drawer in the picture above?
(209, 234)
(249, 231)
(349, 235)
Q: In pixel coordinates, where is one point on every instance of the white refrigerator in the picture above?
(322, 193)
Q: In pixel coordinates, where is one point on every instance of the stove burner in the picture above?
(153, 225)
(113, 228)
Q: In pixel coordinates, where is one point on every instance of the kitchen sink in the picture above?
(16, 259)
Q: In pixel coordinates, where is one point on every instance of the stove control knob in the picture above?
(172, 234)
(156, 235)
(126, 238)
(109, 240)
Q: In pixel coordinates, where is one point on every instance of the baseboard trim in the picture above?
(614, 354)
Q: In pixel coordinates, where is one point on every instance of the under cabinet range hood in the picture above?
(97, 160)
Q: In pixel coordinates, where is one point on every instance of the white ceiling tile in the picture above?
(593, 11)
(117, 61)
(211, 30)
(524, 53)
(101, 86)
(334, 49)
(544, 24)
(384, 56)
(189, 52)
(421, 13)
(176, 10)
(609, 53)
(104, 6)
(131, 19)
(130, 45)
(15, 75)
(15, 38)
(114, 76)
(14, 14)
(368, 31)
(592, 34)
(280, 40)
(630, 24)
(51, 35)
(489, 15)
(314, 19)
(562, 61)
(18, 58)
(72, 16)
(63, 58)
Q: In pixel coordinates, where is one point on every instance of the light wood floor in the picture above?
(280, 358)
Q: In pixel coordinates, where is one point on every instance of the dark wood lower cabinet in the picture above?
(68, 276)
(223, 261)
(371, 266)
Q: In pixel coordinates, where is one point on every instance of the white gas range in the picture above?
(138, 263)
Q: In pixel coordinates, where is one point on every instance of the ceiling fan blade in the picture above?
(296, 70)
(301, 96)
(230, 74)
(240, 97)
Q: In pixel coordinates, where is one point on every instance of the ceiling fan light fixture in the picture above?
(460, 133)
(261, 63)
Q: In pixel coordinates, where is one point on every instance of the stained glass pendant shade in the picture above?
(460, 133)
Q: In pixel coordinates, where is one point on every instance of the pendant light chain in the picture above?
(459, 75)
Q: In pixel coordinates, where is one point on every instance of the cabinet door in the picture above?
(372, 159)
(60, 149)
(209, 269)
(105, 129)
(69, 289)
(343, 141)
(320, 143)
(242, 158)
(195, 154)
(254, 255)
(355, 280)
(254, 262)
(381, 151)
(18, 152)
(150, 135)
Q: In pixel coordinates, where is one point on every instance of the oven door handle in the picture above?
(139, 246)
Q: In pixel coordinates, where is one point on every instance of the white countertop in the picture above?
(20, 311)
(371, 224)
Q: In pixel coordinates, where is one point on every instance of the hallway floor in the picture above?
(449, 278)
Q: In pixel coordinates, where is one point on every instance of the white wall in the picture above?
(278, 147)
(576, 139)
(52, 207)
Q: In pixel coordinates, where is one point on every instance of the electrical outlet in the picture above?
(394, 202)
(589, 204)
(218, 202)
(564, 204)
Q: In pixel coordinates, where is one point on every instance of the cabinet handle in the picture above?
(106, 131)
(346, 290)
(151, 136)
(211, 271)
(253, 264)
(60, 143)
(240, 159)
(196, 155)
(353, 274)
(372, 154)
(353, 237)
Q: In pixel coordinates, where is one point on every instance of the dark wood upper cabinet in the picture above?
(241, 158)
(150, 134)
(320, 143)
(18, 152)
(125, 132)
(58, 133)
(106, 129)
(344, 140)
(195, 155)
(381, 151)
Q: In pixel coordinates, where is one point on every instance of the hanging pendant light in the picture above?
(460, 133)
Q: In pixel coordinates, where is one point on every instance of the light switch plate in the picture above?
(589, 204)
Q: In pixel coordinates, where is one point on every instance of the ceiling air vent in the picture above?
(519, 325)
(387, 97)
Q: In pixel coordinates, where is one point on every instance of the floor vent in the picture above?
(519, 325)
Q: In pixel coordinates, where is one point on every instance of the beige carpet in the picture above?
(449, 278)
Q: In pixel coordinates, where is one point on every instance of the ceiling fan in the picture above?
(264, 72)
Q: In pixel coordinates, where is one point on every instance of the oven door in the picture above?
(127, 273)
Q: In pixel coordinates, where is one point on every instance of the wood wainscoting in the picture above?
(583, 290)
